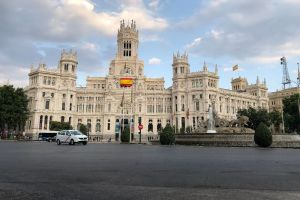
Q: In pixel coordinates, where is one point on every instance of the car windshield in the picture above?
(75, 133)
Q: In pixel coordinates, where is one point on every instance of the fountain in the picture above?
(211, 121)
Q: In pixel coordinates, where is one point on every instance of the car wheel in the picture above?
(84, 143)
(72, 142)
(58, 142)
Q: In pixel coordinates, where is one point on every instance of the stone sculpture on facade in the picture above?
(211, 120)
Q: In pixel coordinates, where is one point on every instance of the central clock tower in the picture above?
(126, 62)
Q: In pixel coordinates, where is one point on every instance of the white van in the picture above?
(71, 137)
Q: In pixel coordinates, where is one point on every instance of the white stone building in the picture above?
(53, 95)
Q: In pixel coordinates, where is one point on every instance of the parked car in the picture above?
(71, 137)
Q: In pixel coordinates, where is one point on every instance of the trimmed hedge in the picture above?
(167, 136)
(263, 135)
(125, 135)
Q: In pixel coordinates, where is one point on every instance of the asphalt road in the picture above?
(41, 170)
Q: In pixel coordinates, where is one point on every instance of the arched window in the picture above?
(50, 120)
(108, 124)
(150, 126)
(89, 125)
(98, 126)
(159, 128)
(79, 124)
(46, 122)
(47, 104)
(41, 122)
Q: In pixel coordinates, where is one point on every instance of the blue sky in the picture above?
(253, 34)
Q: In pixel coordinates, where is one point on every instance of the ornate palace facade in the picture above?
(104, 106)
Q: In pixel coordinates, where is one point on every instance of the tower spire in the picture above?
(204, 66)
(216, 69)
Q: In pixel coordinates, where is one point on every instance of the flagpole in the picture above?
(130, 124)
(122, 115)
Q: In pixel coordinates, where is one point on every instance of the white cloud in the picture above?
(82, 3)
(195, 43)
(154, 61)
(35, 31)
(245, 29)
(154, 4)
(108, 22)
(89, 46)
(226, 69)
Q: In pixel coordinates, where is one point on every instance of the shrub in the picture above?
(125, 135)
(167, 136)
(83, 129)
(263, 135)
(58, 126)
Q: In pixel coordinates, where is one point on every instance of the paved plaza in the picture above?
(41, 170)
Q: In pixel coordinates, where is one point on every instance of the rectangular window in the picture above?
(66, 67)
(197, 106)
(47, 104)
(63, 106)
(108, 124)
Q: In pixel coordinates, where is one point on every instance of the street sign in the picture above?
(141, 127)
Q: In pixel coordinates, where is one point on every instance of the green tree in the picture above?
(58, 126)
(167, 136)
(291, 113)
(263, 136)
(125, 135)
(13, 109)
(256, 116)
(83, 129)
(275, 118)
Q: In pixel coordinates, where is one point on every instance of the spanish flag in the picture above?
(126, 82)
(235, 67)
